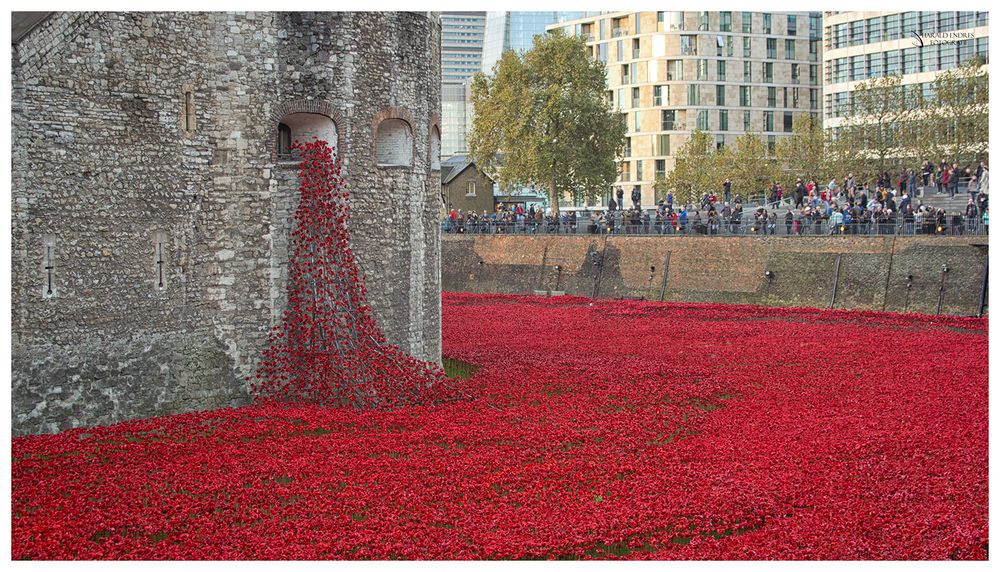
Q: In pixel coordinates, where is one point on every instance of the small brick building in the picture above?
(464, 187)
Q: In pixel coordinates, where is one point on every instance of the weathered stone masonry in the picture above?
(148, 195)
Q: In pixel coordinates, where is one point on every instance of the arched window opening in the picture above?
(304, 127)
(435, 148)
(394, 144)
(284, 141)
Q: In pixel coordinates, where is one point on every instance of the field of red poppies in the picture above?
(593, 429)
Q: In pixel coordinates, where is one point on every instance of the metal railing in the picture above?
(748, 226)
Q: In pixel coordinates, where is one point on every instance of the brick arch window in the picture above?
(435, 149)
(305, 127)
(306, 118)
(394, 143)
(284, 141)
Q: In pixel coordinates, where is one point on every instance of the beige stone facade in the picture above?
(726, 73)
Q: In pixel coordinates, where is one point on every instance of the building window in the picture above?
(745, 96)
(284, 141)
(720, 142)
(789, 49)
(694, 94)
(813, 74)
(470, 189)
(746, 47)
(813, 99)
(814, 50)
(929, 58)
(702, 70)
(748, 22)
(771, 143)
(767, 23)
(792, 24)
(637, 129)
(746, 121)
(627, 151)
(189, 115)
(638, 171)
(703, 21)
(661, 164)
(768, 121)
(435, 148)
(874, 30)
(795, 97)
(689, 45)
(857, 68)
(675, 70)
(747, 75)
(795, 73)
(928, 22)
(857, 31)
(788, 122)
(947, 56)
(720, 95)
(668, 120)
(729, 46)
(815, 23)
(772, 97)
(663, 144)
(768, 72)
(890, 29)
(724, 120)
(720, 70)
(703, 120)
(676, 21)
(658, 95)
(725, 21)
(720, 43)
(966, 20)
(772, 48)
(394, 144)
(635, 97)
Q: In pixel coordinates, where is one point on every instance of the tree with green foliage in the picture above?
(806, 153)
(748, 166)
(958, 116)
(542, 120)
(879, 109)
(696, 169)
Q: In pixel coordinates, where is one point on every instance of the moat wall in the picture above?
(871, 273)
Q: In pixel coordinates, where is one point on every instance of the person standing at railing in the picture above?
(670, 200)
(727, 188)
(621, 198)
(737, 218)
(971, 216)
(713, 223)
(984, 178)
(986, 220)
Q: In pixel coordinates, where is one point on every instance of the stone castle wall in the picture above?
(151, 211)
(851, 273)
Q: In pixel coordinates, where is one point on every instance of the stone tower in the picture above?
(153, 196)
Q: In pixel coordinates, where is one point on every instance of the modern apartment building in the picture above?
(725, 73)
(462, 36)
(461, 45)
(918, 45)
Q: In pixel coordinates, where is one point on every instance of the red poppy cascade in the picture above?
(327, 349)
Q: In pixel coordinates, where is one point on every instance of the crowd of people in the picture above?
(846, 207)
